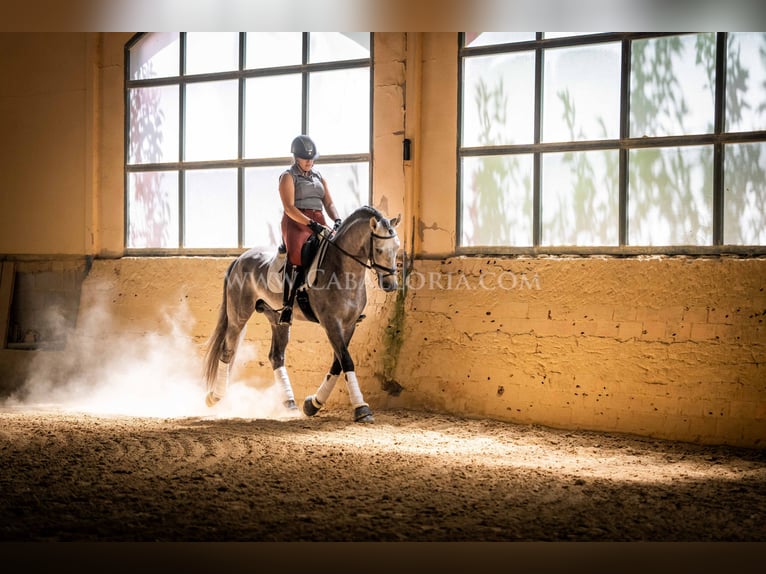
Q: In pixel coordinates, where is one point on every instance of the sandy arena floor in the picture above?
(411, 476)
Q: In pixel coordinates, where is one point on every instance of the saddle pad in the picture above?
(311, 275)
(275, 275)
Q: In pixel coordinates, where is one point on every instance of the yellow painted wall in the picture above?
(670, 347)
(44, 126)
(664, 347)
(61, 150)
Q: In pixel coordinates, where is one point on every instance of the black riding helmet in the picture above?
(303, 147)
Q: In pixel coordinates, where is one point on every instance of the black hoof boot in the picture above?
(286, 316)
(310, 406)
(290, 404)
(363, 414)
(260, 306)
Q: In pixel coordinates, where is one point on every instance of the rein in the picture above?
(374, 265)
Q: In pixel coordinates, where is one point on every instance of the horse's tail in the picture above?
(215, 345)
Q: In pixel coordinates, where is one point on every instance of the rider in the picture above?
(304, 192)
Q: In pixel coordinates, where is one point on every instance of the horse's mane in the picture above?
(364, 212)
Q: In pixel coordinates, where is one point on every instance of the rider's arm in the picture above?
(329, 206)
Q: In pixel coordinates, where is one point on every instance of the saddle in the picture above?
(312, 255)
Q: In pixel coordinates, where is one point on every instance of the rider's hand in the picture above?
(337, 225)
(316, 227)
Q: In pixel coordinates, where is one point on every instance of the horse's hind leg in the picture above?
(280, 336)
(234, 335)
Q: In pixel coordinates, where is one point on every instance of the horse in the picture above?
(336, 296)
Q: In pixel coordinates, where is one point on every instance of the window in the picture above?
(209, 122)
(612, 142)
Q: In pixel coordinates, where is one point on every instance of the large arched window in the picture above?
(612, 142)
(209, 122)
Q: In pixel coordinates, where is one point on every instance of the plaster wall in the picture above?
(43, 157)
(666, 347)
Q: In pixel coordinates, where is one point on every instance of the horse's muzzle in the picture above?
(388, 283)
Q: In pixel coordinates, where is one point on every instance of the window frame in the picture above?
(624, 144)
(241, 75)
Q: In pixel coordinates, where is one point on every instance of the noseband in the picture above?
(374, 264)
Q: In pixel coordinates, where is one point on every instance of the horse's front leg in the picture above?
(280, 336)
(339, 339)
(313, 403)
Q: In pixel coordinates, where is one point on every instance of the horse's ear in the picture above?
(396, 220)
(373, 223)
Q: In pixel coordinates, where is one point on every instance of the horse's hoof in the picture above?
(310, 406)
(290, 404)
(363, 414)
(260, 306)
(211, 399)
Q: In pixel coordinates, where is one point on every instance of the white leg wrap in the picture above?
(221, 382)
(281, 379)
(354, 394)
(324, 390)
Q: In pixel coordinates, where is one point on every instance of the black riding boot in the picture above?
(293, 274)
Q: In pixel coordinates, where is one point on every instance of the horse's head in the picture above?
(384, 247)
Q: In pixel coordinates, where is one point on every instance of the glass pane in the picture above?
(582, 93)
(498, 99)
(496, 201)
(746, 82)
(671, 196)
(339, 111)
(473, 39)
(349, 185)
(210, 217)
(153, 134)
(331, 46)
(212, 52)
(272, 115)
(745, 194)
(153, 209)
(580, 198)
(263, 207)
(672, 85)
(155, 56)
(270, 49)
(211, 120)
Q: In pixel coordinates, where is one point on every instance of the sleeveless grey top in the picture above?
(309, 191)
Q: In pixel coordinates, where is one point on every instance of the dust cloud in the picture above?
(105, 369)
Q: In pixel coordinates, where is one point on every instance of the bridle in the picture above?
(374, 265)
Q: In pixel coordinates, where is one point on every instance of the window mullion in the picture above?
(241, 222)
(305, 86)
(718, 147)
(623, 171)
(537, 226)
(182, 142)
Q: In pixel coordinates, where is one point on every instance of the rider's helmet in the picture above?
(303, 147)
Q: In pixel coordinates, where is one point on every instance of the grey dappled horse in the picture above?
(365, 240)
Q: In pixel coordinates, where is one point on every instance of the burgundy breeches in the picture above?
(295, 234)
